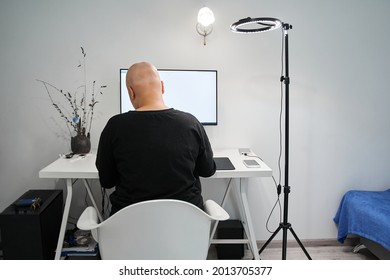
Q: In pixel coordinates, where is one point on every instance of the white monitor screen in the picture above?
(192, 91)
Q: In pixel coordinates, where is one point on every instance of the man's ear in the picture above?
(131, 93)
(162, 87)
(132, 96)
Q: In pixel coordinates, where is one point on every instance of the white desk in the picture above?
(241, 173)
(84, 168)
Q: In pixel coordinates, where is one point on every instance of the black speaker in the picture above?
(30, 232)
(230, 229)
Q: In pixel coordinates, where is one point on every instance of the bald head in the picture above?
(145, 87)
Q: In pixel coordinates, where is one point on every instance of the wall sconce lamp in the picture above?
(205, 22)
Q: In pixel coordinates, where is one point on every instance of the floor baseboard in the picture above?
(352, 241)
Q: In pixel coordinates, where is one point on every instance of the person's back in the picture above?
(153, 152)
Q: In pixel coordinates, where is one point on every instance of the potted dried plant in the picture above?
(77, 109)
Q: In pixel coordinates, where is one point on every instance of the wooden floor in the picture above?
(318, 250)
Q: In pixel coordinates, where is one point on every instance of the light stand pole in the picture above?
(263, 25)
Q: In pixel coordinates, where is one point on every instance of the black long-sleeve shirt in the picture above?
(154, 155)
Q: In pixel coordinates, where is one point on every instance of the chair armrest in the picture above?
(88, 219)
(215, 211)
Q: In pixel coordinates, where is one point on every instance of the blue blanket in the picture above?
(367, 214)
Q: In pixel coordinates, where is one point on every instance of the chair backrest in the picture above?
(156, 229)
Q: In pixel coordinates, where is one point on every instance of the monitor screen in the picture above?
(192, 91)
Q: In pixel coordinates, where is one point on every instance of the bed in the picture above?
(367, 215)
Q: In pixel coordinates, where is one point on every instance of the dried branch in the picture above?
(81, 113)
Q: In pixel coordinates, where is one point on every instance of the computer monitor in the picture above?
(192, 91)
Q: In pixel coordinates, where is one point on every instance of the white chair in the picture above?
(154, 229)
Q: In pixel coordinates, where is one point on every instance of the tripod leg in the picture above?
(284, 242)
(300, 243)
(270, 239)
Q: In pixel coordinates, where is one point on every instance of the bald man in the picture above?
(153, 152)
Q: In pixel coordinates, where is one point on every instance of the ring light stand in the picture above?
(256, 25)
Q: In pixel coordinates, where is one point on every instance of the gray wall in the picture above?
(339, 92)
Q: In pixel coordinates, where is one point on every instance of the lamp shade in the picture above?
(205, 16)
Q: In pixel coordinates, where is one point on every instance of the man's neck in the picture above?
(152, 107)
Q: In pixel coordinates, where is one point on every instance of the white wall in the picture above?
(339, 93)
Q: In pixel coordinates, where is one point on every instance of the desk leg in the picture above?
(64, 219)
(222, 205)
(248, 226)
(92, 199)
